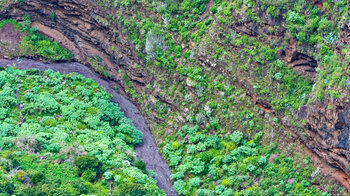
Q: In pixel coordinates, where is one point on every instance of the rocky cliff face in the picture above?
(78, 26)
(326, 130)
(328, 121)
(329, 132)
(82, 27)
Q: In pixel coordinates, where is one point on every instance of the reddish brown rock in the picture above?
(77, 26)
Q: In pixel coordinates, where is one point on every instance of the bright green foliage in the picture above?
(35, 44)
(72, 135)
(180, 187)
(132, 189)
(195, 182)
(240, 166)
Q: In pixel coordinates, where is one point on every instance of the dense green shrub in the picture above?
(131, 189)
(88, 163)
(69, 139)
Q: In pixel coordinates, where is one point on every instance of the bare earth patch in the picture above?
(9, 40)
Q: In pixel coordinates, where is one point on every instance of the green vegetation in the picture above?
(34, 44)
(209, 63)
(62, 135)
(209, 165)
(204, 59)
(96, 63)
(317, 28)
(5, 3)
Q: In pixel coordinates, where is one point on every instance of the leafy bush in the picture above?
(236, 137)
(88, 163)
(179, 187)
(69, 139)
(134, 134)
(325, 27)
(131, 189)
(154, 42)
(195, 182)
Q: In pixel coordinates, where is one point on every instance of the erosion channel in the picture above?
(148, 150)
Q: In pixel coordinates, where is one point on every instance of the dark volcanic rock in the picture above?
(343, 125)
(328, 133)
(77, 27)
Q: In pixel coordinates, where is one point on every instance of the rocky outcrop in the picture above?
(9, 40)
(328, 121)
(81, 27)
(344, 34)
(300, 62)
(328, 132)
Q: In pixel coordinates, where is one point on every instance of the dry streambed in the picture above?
(148, 151)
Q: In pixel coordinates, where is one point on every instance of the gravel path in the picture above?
(148, 151)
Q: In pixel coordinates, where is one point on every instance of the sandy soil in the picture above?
(148, 151)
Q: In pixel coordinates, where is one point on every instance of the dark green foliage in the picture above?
(36, 177)
(130, 189)
(141, 165)
(7, 188)
(81, 187)
(53, 15)
(88, 164)
(232, 163)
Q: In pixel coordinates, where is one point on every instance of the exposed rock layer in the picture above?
(327, 122)
(328, 133)
(77, 27)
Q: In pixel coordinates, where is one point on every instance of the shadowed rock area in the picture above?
(328, 133)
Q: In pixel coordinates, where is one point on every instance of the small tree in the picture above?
(88, 166)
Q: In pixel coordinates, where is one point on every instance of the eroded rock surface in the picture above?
(328, 133)
(78, 26)
(9, 39)
(301, 62)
